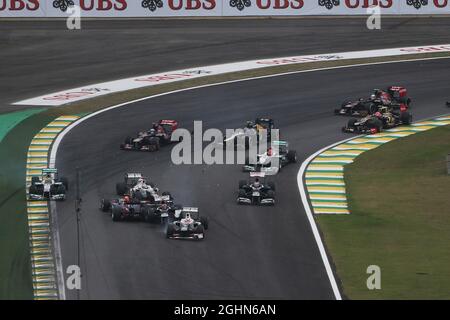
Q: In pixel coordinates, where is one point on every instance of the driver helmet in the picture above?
(256, 183)
(249, 124)
(378, 114)
(269, 151)
(152, 131)
(373, 96)
(187, 218)
(126, 199)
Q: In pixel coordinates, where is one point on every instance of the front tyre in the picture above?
(170, 231)
(116, 214)
(406, 118)
(205, 222)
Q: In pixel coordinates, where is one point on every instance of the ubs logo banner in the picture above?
(152, 5)
(417, 3)
(63, 4)
(329, 4)
(174, 8)
(240, 4)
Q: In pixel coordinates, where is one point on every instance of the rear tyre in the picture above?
(292, 156)
(406, 118)
(121, 188)
(35, 180)
(105, 205)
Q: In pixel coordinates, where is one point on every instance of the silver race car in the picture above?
(48, 187)
(265, 162)
(187, 224)
(255, 191)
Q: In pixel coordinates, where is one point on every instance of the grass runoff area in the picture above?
(399, 198)
(15, 267)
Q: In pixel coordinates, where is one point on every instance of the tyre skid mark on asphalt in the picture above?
(39, 228)
(324, 176)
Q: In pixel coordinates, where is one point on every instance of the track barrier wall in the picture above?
(218, 8)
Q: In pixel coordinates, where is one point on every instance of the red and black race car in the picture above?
(394, 97)
(375, 123)
(151, 140)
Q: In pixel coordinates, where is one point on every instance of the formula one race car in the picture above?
(256, 192)
(127, 208)
(136, 186)
(187, 225)
(130, 180)
(394, 94)
(48, 187)
(375, 123)
(395, 98)
(355, 108)
(252, 129)
(160, 134)
(265, 162)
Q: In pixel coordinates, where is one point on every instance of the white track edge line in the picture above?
(310, 216)
(62, 134)
(307, 207)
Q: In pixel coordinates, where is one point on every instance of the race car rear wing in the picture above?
(257, 174)
(49, 170)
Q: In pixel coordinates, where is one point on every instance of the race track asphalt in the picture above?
(249, 252)
(39, 57)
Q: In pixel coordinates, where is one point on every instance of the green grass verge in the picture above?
(9, 120)
(399, 198)
(15, 267)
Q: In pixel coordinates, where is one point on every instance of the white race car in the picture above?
(187, 225)
(273, 160)
(48, 187)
